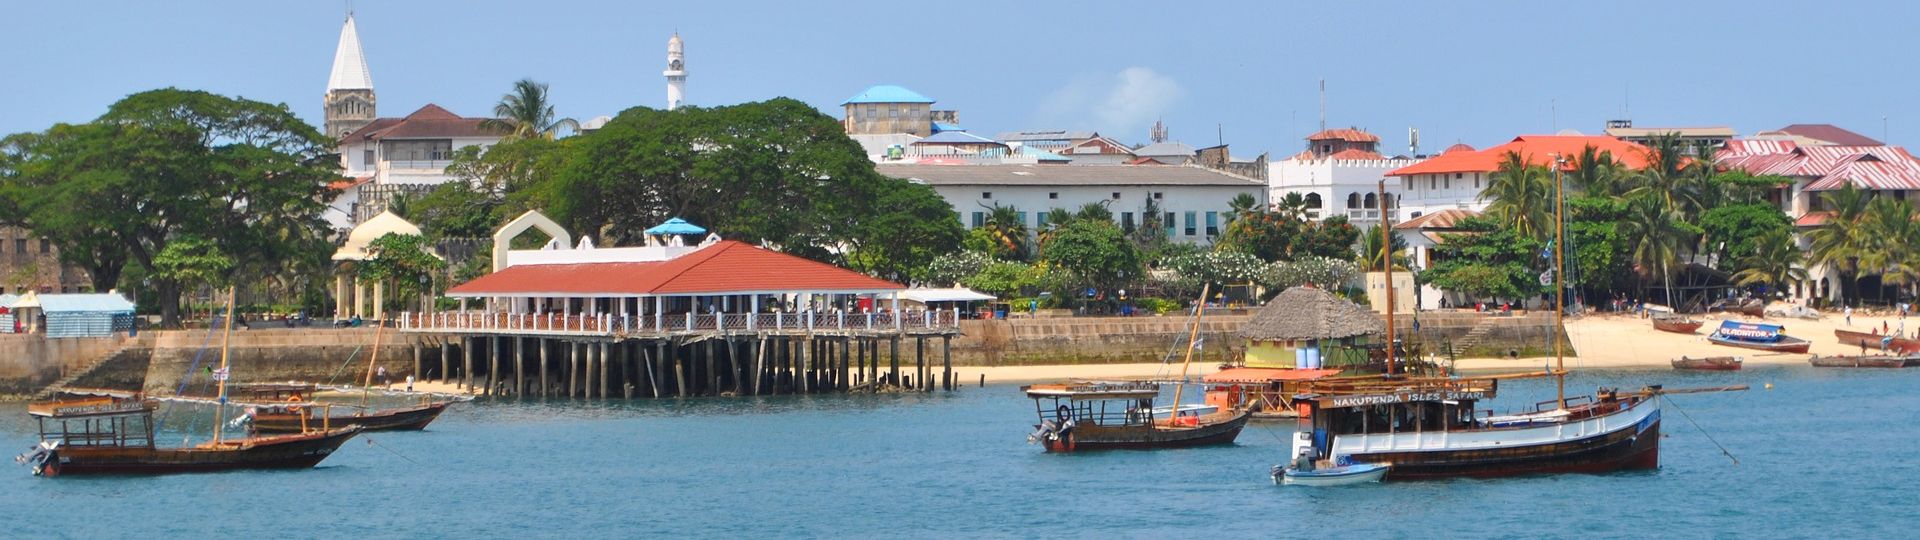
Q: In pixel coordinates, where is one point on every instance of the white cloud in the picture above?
(1121, 105)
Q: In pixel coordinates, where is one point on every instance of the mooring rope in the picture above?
(1703, 431)
(370, 442)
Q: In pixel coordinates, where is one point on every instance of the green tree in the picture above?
(1369, 257)
(1774, 263)
(1520, 196)
(1242, 205)
(1658, 237)
(1291, 206)
(915, 227)
(403, 261)
(526, 113)
(167, 164)
(1844, 239)
(455, 210)
(1597, 173)
(194, 260)
(1093, 253)
(1733, 230)
(1488, 261)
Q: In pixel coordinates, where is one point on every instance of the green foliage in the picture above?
(1488, 261)
(1157, 306)
(1275, 236)
(1092, 252)
(525, 113)
(1774, 262)
(1005, 279)
(404, 260)
(453, 210)
(194, 259)
(1324, 272)
(1371, 251)
(950, 268)
(1521, 196)
(1217, 268)
(1733, 230)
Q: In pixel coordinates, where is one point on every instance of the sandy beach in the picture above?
(1623, 341)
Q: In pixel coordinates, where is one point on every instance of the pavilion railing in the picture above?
(658, 324)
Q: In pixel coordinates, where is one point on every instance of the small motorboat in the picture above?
(1864, 361)
(1679, 324)
(1711, 363)
(1758, 336)
(1344, 475)
(1868, 340)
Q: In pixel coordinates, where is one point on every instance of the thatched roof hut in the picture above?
(1310, 313)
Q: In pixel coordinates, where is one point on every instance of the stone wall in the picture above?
(1529, 333)
(324, 355)
(30, 361)
(1092, 340)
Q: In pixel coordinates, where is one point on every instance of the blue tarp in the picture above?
(676, 226)
(1753, 332)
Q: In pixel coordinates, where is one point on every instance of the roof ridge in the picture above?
(694, 259)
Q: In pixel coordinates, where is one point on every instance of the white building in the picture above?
(1455, 178)
(1193, 201)
(1339, 175)
(676, 73)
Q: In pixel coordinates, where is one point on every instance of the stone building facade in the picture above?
(31, 263)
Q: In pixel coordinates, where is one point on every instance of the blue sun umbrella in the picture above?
(676, 226)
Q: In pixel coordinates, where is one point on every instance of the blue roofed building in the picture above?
(73, 315)
(887, 109)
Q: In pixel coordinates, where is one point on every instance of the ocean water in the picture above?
(1825, 453)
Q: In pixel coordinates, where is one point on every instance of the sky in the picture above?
(1241, 72)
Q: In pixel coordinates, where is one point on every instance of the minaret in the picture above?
(676, 73)
(349, 101)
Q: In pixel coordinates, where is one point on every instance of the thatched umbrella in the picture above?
(1309, 313)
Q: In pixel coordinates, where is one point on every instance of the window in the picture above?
(1476, 180)
(872, 112)
(1169, 223)
(979, 219)
(45, 246)
(1353, 201)
(1313, 201)
(1126, 221)
(1448, 183)
(1459, 175)
(1432, 183)
(1213, 224)
(1190, 224)
(986, 194)
(1156, 195)
(1040, 220)
(19, 245)
(1053, 194)
(893, 112)
(1116, 195)
(1326, 149)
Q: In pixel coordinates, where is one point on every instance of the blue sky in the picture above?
(1474, 72)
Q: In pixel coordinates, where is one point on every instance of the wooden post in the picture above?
(653, 371)
(920, 363)
(713, 371)
(466, 370)
(493, 365)
(544, 346)
(446, 361)
(946, 359)
(416, 364)
(519, 365)
(573, 369)
(679, 369)
(806, 366)
(894, 361)
(759, 363)
(604, 349)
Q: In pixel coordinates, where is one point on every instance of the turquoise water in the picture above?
(1823, 454)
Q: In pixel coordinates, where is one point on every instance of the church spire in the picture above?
(349, 64)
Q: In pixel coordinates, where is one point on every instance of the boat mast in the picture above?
(1386, 263)
(1199, 310)
(367, 388)
(1559, 291)
(226, 336)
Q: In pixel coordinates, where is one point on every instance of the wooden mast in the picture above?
(1559, 291)
(367, 387)
(220, 377)
(1199, 311)
(1386, 264)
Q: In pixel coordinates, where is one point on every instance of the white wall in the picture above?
(352, 159)
(1334, 180)
(1038, 199)
(1429, 193)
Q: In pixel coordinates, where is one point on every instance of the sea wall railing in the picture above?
(609, 324)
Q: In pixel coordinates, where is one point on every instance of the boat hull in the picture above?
(1862, 361)
(276, 452)
(401, 419)
(1873, 341)
(1629, 446)
(1724, 363)
(1787, 344)
(1338, 476)
(1142, 437)
(1677, 326)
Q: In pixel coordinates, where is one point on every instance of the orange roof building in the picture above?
(1454, 179)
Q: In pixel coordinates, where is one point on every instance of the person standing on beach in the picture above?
(1849, 313)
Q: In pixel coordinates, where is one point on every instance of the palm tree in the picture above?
(1657, 240)
(526, 113)
(1596, 173)
(1057, 219)
(1292, 206)
(1890, 235)
(1241, 205)
(1667, 178)
(1095, 211)
(1774, 263)
(1841, 242)
(1369, 259)
(1521, 196)
(1004, 224)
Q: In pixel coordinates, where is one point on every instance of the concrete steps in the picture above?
(84, 371)
(1479, 332)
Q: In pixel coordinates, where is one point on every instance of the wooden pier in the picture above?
(600, 356)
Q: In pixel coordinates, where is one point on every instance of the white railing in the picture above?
(659, 324)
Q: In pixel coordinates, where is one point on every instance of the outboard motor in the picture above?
(38, 456)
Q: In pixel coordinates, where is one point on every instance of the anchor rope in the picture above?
(1703, 431)
(370, 442)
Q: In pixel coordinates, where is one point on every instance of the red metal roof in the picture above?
(1831, 133)
(1356, 153)
(1264, 375)
(1813, 219)
(1533, 148)
(726, 267)
(428, 122)
(1344, 134)
(1828, 167)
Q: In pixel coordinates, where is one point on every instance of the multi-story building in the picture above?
(32, 263)
(1192, 201)
(1694, 141)
(1454, 179)
(1338, 175)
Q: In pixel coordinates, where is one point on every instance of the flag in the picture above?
(220, 374)
(1546, 278)
(1198, 342)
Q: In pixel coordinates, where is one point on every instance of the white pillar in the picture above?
(379, 305)
(359, 297)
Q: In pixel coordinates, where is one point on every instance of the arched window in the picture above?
(1372, 201)
(1353, 200)
(1313, 201)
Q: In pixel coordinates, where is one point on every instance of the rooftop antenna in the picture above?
(1323, 104)
(1626, 102)
(1883, 129)
(1553, 112)
(1220, 134)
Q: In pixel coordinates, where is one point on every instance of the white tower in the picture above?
(349, 101)
(676, 73)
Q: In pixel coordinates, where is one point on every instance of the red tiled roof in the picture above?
(1444, 219)
(727, 267)
(1458, 147)
(1831, 133)
(1263, 375)
(1344, 134)
(349, 182)
(430, 121)
(1534, 149)
(1356, 153)
(1813, 219)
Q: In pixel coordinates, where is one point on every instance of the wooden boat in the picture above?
(1345, 475)
(1104, 416)
(106, 435)
(301, 413)
(1679, 324)
(1758, 336)
(1870, 340)
(1751, 307)
(115, 436)
(1865, 361)
(1711, 363)
(1266, 393)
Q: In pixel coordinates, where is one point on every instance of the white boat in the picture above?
(1358, 473)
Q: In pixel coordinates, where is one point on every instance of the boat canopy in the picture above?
(1093, 391)
(1266, 375)
(104, 406)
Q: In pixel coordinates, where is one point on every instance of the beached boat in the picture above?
(1102, 416)
(1751, 307)
(1758, 336)
(1679, 324)
(1864, 361)
(1871, 340)
(114, 435)
(1346, 475)
(1711, 363)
